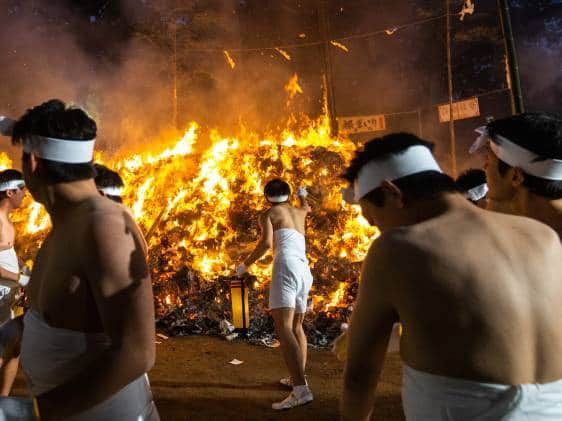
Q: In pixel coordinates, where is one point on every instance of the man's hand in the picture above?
(302, 192)
(241, 269)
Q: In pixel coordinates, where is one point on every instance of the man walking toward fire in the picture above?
(88, 337)
(283, 227)
(481, 336)
(524, 166)
(11, 278)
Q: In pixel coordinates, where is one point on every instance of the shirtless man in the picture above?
(524, 166)
(88, 337)
(109, 183)
(283, 227)
(478, 295)
(12, 192)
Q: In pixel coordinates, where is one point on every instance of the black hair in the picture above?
(9, 175)
(277, 187)
(106, 177)
(471, 178)
(56, 119)
(423, 185)
(538, 132)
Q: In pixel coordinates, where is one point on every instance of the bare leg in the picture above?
(301, 337)
(9, 373)
(283, 320)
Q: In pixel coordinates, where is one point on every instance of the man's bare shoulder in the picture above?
(106, 216)
(387, 251)
(532, 230)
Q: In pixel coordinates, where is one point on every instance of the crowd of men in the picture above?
(476, 289)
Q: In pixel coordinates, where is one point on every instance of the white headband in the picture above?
(516, 156)
(111, 191)
(12, 185)
(413, 160)
(60, 150)
(478, 192)
(6, 125)
(278, 199)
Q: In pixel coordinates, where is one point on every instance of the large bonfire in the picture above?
(197, 200)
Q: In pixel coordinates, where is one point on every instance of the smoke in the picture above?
(117, 63)
(120, 77)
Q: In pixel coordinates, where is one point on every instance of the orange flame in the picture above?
(187, 196)
(293, 88)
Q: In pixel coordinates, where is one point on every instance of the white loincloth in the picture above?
(9, 260)
(52, 356)
(291, 277)
(427, 397)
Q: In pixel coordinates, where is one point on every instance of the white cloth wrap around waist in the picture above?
(430, 397)
(288, 242)
(9, 260)
(52, 356)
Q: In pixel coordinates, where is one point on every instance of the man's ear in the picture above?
(517, 177)
(392, 194)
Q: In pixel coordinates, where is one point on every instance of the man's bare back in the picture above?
(60, 288)
(479, 295)
(287, 216)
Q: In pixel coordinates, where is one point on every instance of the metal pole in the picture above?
(517, 105)
(327, 67)
(452, 139)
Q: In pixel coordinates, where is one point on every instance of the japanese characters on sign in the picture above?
(361, 124)
(467, 108)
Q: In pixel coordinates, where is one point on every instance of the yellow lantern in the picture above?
(240, 307)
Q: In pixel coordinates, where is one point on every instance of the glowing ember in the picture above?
(229, 59)
(283, 53)
(340, 46)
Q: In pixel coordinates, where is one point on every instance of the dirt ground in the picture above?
(192, 380)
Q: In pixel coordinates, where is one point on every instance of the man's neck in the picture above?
(424, 210)
(64, 197)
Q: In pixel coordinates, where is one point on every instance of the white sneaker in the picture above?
(293, 401)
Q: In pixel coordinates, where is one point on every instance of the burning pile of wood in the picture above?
(198, 206)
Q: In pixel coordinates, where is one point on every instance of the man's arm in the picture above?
(265, 241)
(120, 283)
(369, 333)
(9, 275)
